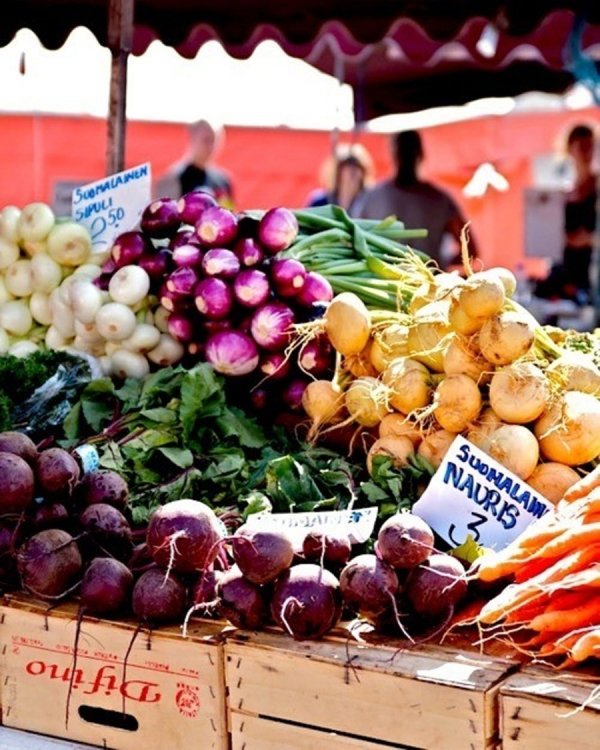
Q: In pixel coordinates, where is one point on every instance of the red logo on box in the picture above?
(187, 700)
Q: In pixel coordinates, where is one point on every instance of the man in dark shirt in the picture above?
(196, 172)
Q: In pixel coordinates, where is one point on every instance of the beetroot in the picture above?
(108, 528)
(404, 541)
(368, 585)
(332, 549)
(50, 516)
(103, 486)
(158, 597)
(20, 445)
(106, 586)
(48, 563)
(16, 484)
(183, 535)
(261, 554)
(56, 473)
(205, 588)
(241, 602)
(306, 601)
(436, 585)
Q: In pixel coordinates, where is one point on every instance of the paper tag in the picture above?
(357, 524)
(88, 458)
(112, 205)
(471, 493)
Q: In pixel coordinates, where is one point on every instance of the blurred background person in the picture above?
(196, 170)
(415, 202)
(345, 175)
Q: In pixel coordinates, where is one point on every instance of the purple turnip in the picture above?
(127, 249)
(242, 602)
(161, 218)
(404, 541)
(217, 226)
(103, 486)
(293, 392)
(187, 256)
(260, 554)
(48, 563)
(249, 252)
(272, 326)
(231, 353)
(317, 357)
(181, 327)
(316, 289)
(56, 473)
(277, 229)
(287, 276)
(183, 535)
(16, 484)
(213, 298)
(105, 587)
(158, 597)
(251, 288)
(275, 365)
(368, 585)
(221, 262)
(182, 281)
(193, 205)
(19, 445)
(306, 601)
(156, 264)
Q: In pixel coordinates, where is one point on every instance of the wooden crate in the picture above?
(170, 694)
(537, 710)
(343, 695)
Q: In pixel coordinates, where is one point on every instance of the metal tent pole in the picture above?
(120, 32)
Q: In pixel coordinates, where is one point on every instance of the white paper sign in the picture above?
(112, 205)
(471, 493)
(357, 524)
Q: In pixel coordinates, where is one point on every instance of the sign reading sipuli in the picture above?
(471, 493)
(112, 205)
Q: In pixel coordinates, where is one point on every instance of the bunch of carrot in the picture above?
(554, 596)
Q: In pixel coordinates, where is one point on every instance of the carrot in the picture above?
(516, 594)
(526, 612)
(562, 646)
(534, 566)
(568, 599)
(584, 486)
(565, 620)
(586, 645)
(574, 538)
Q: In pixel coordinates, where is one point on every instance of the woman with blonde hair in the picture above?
(344, 176)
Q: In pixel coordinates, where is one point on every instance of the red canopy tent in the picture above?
(399, 56)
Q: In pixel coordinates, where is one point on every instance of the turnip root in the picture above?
(39, 307)
(129, 285)
(9, 253)
(434, 446)
(144, 338)
(126, 364)
(368, 585)
(48, 563)
(506, 278)
(16, 483)
(69, 244)
(480, 430)
(462, 323)
(462, 357)
(323, 402)
(54, 339)
(515, 447)
(409, 382)
(56, 473)
(569, 430)
(5, 295)
(482, 295)
(398, 425)
(399, 449)
(260, 554)
(404, 541)
(506, 337)
(19, 279)
(9, 220)
(389, 344)
(436, 585)
(306, 601)
(347, 323)
(35, 222)
(20, 445)
(427, 338)
(518, 393)
(552, 480)
(85, 299)
(23, 348)
(182, 536)
(575, 372)
(46, 273)
(106, 586)
(242, 602)
(457, 401)
(158, 598)
(167, 352)
(115, 322)
(367, 401)
(15, 317)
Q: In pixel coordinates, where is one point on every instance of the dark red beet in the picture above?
(306, 601)
(183, 535)
(106, 586)
(241, 602)
(103, 486)
(108, 528)
(49, 516)
(368, 584)
(56, 473)
(49, 563)
(16, 484)
(436, 585)
(262, 555)
(158, 597)
(333, 550)
(205, 588)
(404, 541)
(20, 445)
(140, 557)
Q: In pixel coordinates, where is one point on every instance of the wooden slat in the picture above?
(251, 733)
(12, 739)
(418, 698)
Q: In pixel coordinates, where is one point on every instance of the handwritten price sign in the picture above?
(112, 205)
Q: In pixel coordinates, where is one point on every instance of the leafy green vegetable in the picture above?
(401, 486)
(469, 550)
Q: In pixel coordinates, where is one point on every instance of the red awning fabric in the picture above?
(399, 56)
